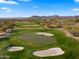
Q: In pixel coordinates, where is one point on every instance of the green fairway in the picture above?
(27, 25)
(69, 45)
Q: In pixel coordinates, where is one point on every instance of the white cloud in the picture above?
(35, 7)
(75, 9)
(8, 2)
(8, 10)
(5, 9)
(25, 0)
(76, 0)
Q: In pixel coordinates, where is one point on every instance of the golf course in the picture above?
(34, 40)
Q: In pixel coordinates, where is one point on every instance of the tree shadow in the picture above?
(4, 39)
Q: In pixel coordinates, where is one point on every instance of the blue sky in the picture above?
(25, 8)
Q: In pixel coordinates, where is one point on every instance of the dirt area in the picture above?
(69, 34)
(2, 33)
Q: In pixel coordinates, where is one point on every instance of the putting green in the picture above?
(34, 39)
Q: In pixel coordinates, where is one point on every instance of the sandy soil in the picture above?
(2, 33)
(69, 34)
(16, 48)
(45, 34)
(49, 52)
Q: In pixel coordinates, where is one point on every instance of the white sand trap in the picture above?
(2, 33)
(49, 52)
(45, 34)
(13, 49)
(3, 36)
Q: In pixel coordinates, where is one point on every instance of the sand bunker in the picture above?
(16, 48)
(49, 52)
(45, 34)
(3, 36)
(2, 33)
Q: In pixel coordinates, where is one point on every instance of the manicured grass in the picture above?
(32, 39)
(69, 45)
(27, 25)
